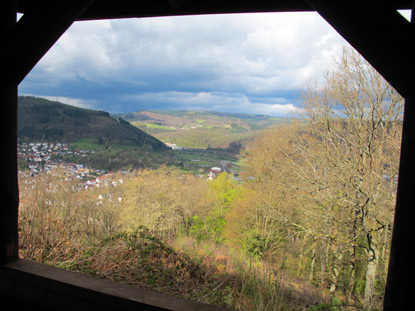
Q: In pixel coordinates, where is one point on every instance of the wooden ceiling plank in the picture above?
(107, 9)
(110, 9)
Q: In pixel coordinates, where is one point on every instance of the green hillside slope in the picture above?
(43, 120)
(202, 129)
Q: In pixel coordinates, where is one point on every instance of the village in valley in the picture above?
(44, 157)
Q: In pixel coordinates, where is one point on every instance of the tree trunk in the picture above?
(372, 265)
(324, 261)
(300, 264)
(352, 274)
(337, 258)
(313, 261)
(352, 262)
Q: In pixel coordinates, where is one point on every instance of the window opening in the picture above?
(211, 205)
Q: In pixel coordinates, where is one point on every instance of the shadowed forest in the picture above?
(307, 227)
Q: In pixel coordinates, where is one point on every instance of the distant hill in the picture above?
(43, 120)
(201, 129)
(236, 122)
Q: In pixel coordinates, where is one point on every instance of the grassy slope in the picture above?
(201, 129)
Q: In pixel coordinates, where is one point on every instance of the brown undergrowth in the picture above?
(142, 259)
(64, 228)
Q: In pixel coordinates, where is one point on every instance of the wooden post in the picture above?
(9, 195)
(398, 293)
(24, 44)
(399, 290)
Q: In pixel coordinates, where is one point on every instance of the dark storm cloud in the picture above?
(241, 63)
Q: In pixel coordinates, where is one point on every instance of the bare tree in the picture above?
(358, 116)
(326, 184)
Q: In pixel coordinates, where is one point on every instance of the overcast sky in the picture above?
(245, 63)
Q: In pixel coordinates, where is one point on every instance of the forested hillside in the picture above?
(327, 189)
(44, 120)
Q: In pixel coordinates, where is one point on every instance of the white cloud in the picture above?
(286, 110)
(83, 51)
(249, 54)
(69, 101)
(215, 101)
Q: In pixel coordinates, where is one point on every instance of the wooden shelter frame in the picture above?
(374, 28)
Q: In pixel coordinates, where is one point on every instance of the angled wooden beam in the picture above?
(35, 33)
(381, 35)
(378, 32)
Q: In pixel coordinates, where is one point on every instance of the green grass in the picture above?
(199, 161)
(93, 144)
(115, 156)
(109, 156)
(154, 126)
(215, 137)
(87, 143)
(151, 128)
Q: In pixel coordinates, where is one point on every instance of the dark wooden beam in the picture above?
(9, 195)
(108, 9)
(49, 288)
(105, 9)
(398, 294)
(401, 271)
(35, 33)
(24, 44)
(190, 7)
(378, 32)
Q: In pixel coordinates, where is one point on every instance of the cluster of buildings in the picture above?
(174, 146)
(40, 151)
(45, 156)
(105, 180)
